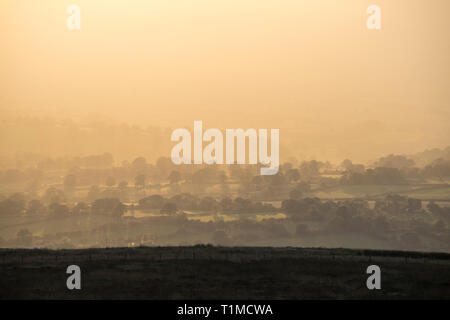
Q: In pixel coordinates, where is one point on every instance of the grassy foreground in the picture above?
(206, 272)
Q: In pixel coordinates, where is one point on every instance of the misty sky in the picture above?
(309, 67)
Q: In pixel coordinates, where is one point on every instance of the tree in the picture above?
(292, 175)
(347, 164)
(140, 180)
(94, 193)
(439, 168)
(14, 205)
(110, 181)
(154, 201)
(174, 177)
(169, 208)
(185, 201)
(53, 195)
(164, 164)
(204, 176)
(434, 208)
(310, 169)
(242, 204)
(377, 176)
(139, 164)
(58, 210)
(119, 210)
(395, 161)
(108, 206)
(35, 207)
(226, 204)
(286, 166)
(276, 179)
(290, 206)
(208, 204)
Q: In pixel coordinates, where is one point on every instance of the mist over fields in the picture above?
(68, 193)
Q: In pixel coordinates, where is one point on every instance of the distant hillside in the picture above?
(426, 157)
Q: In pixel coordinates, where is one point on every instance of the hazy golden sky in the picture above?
(309, 67)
